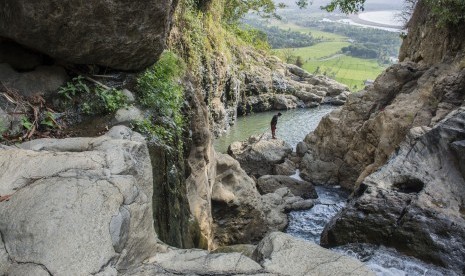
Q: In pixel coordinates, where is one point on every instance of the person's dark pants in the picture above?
(273, 130)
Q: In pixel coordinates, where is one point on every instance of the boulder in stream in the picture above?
(282, 254)
(259, 154)
(270, 183)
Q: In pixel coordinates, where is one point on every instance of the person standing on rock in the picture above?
(274, 122)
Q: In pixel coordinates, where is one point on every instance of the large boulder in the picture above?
(281, 254)
(270, 183)
(122, 35)
(259, 154)
(415, 202)
(240, 214)
(237, 209)
(79, 206)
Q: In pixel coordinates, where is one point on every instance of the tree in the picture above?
(288, 55)
(236, 9)
(299, 61)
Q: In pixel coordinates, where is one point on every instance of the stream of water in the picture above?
(293, 126)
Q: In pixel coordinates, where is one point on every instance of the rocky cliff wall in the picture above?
(396, 145)
(353, 142)
(430, 42)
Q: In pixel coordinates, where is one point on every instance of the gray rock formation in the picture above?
(259, 154)
(44, 80)
(237, 209)
(286, 168)
(86, 200)
(387, 145)
(241, 214)
(287, 86)
(127, 36)
(277, 254)
(351, 143)
(281, 254)
(270, 183)
(416, 201)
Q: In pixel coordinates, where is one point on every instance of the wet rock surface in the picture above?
(415, 202)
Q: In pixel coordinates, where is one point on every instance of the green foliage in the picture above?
(93, 99)
(159, 86)
(448, 12)
(159, 89)
(299, 62)
(236, 9)
(109, 99)
(26, 123)
(49, 120)
(73, 88)
(345, 6)
(279, 38)
(253, 37)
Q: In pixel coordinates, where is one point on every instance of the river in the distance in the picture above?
(292, 127)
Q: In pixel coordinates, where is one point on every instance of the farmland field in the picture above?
(326, 58)
(315, 33)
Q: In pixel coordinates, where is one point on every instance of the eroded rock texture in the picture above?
(398, 144)
(259, 154)
(416, 201)
(118, 34)
(79, 205)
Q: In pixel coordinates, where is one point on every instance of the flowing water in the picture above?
(293, 126)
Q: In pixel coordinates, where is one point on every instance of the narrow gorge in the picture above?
(109, 111)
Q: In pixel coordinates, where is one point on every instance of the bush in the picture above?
(159, 88)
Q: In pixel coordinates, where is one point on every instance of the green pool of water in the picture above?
(292, 127)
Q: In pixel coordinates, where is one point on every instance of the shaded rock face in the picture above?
(236, 205)
(87, 200)
(259, 154)
(430, 43)
(171, 215)
(200, 167)
(281, 254)
(44, 80)
(416, 201)
(120, 35)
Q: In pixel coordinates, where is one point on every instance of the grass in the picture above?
(315, 33)
(318, 51)
(348, 70)
(326, 57)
